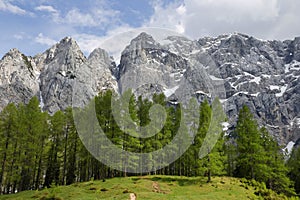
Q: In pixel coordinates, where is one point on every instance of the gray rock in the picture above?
(61, 64)
(243, 70)
(237, 68)
(18, 78)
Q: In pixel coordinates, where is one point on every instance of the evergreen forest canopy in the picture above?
(38, 150)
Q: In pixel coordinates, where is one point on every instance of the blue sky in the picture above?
(33, 26)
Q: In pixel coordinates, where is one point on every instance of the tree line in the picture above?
(38, 150)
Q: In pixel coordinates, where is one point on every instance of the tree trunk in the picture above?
(3, 165)
(209, 169)
(65, 159)
(37, 180)
(209, 166)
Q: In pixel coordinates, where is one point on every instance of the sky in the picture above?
(34, 26)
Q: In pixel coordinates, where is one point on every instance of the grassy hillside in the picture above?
(151, 187)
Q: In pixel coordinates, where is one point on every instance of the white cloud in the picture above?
(235, 10)
(41, 39)
(181, 10)
(5, 5)
(266, 19)
(98, 16)
(75, 17)
(170, 16)
(46, 8)
(20, 36)
(88, 42)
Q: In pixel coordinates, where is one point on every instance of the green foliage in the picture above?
(259, 156)
(38, 150)
(294, 168)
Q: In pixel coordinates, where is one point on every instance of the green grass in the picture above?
(147, 187)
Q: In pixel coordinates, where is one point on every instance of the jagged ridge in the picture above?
(262, 74)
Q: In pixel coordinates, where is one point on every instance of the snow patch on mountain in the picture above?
(204, 93)
(215, 78)
(225, 126)
(289, 147)
(282, 90)
(256, 80)
(168, 92)
(274, 87)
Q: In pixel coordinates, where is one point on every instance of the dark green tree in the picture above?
(213, 144)
(250, 160)
(294, 168)
(258, 155)
(275, 176)
(8, 137)
(56, 148)
(32, 125)
(71, 147)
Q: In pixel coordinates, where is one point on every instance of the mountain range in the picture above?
(237, 68)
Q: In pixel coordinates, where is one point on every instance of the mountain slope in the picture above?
(262, 74)
(17, 78)
(237, 68)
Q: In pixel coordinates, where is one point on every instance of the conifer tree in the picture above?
(213, 144)
(56, 147)
(204, 123)
(32, 127)
(259, 156)
(8, 136)
(294, 168)
(275, 173)
(250, 151)
(72, 147)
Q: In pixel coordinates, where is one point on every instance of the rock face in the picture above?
(237, 68)
(52, 76)
(147, 67)
(263, 75)
(17, 78)
(60, 65)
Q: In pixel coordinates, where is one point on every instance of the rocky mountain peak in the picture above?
(12, 54)
(64, 49)
(17, 78)
(138, 52)
(261, 74)
(60, 66)
(145, 37)
(234, 41)
(68, 43)
(100, 55)
(142, 41)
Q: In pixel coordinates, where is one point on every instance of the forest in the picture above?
(38, 150)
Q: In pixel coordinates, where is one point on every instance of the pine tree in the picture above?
(259, 156)
(213, 145)
(54, 158)
(250, 151)
(71, 147)
(275, 174)
(294, 168)
(33, 122)
(8, 136)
